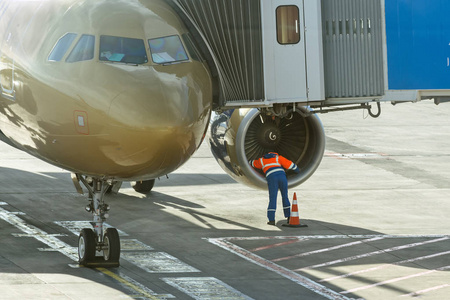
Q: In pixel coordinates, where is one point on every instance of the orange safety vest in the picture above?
(273, 164)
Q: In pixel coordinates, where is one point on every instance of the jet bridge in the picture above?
(323, 52)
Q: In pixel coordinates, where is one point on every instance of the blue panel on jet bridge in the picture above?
(418, 44)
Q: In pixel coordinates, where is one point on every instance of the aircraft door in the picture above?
(285, 57)
(7, 68)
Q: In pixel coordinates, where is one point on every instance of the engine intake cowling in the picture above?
(237, 136)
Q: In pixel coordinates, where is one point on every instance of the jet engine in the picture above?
(240, 135)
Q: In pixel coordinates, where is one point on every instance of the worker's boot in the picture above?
(271, 223)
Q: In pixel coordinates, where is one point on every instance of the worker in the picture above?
(273, 166)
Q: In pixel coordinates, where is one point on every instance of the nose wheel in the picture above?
(86, 246)
(98, 247)
(111, 251)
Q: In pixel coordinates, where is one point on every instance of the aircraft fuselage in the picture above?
(105, 88)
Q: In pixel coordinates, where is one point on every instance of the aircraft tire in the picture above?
(144, 187)
(86, 246)
(112, 242)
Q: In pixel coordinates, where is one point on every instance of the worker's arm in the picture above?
(255, 164)
(287, 164)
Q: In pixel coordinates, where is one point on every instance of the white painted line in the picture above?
(383, 251)
(355, 155)
(327, 249)
(69, 249)
(205, 288)
(125, 244)
(72, 252)
(418, 293)
(257, 238)
(38, 234)
(150, 261)
(158, 262)
(32, 236)
(275, 245)
(133, 245)
(297, 278)
(76, 226)
(395, 280)
(319, 237)
(384, 266)
(227, 244)
(18, 213)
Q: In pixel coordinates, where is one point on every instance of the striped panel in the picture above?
(233, 30)
(353, 49)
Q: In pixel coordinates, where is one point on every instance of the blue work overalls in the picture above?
(278, 181)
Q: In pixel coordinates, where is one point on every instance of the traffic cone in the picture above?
(294, 220)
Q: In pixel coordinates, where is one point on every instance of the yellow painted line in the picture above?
(141, 293)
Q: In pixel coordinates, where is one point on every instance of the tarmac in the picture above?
(376, 209)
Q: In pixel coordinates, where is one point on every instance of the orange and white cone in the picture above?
(294, 220)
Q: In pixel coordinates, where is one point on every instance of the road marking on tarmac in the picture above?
(72, 252)
(338, 261)
(395, 280)
(205, 288)
(76, 226)
(418, 293)
(385, 266)
(150, 261)
(135, 252)
(142, 291)
(297, 278)
(40, 235)
(158, 262)
(355, 155)
(314, 277)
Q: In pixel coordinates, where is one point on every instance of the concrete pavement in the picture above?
(376, 208)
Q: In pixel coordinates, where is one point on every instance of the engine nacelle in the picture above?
(237, 136)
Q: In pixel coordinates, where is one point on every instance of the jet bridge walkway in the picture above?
(323, 52)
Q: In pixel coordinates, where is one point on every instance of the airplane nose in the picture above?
(156, 128)
(154, 105)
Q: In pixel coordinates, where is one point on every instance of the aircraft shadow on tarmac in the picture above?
(194, 179)
(17, 180)
(150, 215)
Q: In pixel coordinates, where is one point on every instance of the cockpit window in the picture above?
(83, 50)
(121, 49)
(62, 46)
(167, 49)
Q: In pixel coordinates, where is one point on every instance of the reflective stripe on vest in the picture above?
(271, 167)
(277, 164)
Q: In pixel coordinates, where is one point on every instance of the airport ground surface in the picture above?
(377, 211)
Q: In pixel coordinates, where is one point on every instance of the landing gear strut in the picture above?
(97, 240)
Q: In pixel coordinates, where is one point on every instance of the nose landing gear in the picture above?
(97, 247)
